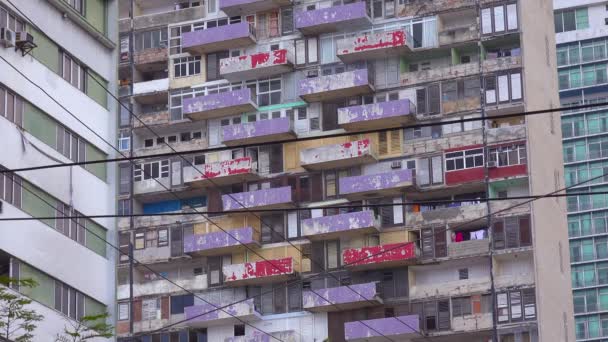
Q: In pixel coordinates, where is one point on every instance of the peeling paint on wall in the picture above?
(330, 15)
(205, 242)
(376, 111)
(225, 168)
(195, 314)
(257, 198)
(254, 61)
(373, 41)
(258, 269)
(376, 182)
(347, 150)
(334, 82)
(215, 101)
(340, 295)
(257, 129)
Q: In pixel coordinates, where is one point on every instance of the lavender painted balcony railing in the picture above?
(348, 83)
(327, 227)
(380, 183)
(219, 241)
(377, 115)
(243, 310)
(334, 18)
(258, 132)
(256, 65)
(265, 198)
(218, 38)
(218, 105)
(338, 155)
(395, 327)
(346, 297)
(256, 336)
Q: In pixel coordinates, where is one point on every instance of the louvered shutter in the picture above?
(498, 235)
(441, 248)
(443, 315)
(395, 142)
(512, 232)
(421, 101)
(434, 99)
(525, 235)
(428, 247)
(382, 143)
(164, 307)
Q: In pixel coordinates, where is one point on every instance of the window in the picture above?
(140, 242)
(464, 159)
(124, 141)
(179, 302)
(507, 155)
(77, 5)
(463, 274)
(429, 171)
(499, 19)
(73, 72)
(70, 145)
(123, 311)
(163, 237)
(154, 39)
(307, 51)
(516, 305)
(433, 242)
(69, 301)
(151, 170)
(187, 66)
(10, 188)
(11, 106)
(150, 309)
(124, 207)
(287, 24)
(239, 330)
(383, 9)
(502, 88)
(453, 92)
(435, 316)
(571, 19)
(213, 64)
(325, 255)
(268, 91)
(10, 20)
(428, 100)
(461, 306)
(272, 228)
(511, 232)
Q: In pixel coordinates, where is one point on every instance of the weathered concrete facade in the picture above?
(395, 327)
(266, 198)
(328, 227)
(372, 45)
(384, 114)
(349, 83)
(258, 132)
(262, 64)
(338, 155)
(323, 20)
(217, 105)
(339, 298)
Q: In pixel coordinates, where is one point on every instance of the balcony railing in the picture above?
(336, 86)
(345, 297)
(376, 185)
(257, 272)
(239, 7)
(505, 134)
(338, 155)
(401, 327)
(335, 226)
(378, 115)
(382, 256)
(221, 173)
(216, 243)
(438, 74)
(219, 105)
(219, 38)
(258, 132)
(278, 198)
(244, 311)
(262, 64)
(374, 45)
(458, 34)
(335, 18)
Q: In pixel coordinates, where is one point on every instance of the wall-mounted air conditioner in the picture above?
(396, 164)
(492, 164)
(7, 37)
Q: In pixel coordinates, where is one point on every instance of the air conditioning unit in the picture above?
(396, 164)
(492, 164)
(7, 37)
(312, 73)
(23, 37)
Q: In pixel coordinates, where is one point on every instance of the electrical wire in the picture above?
(225, 148)
(357, 206)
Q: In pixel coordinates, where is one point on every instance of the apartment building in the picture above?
(248, 78)
(68, 51)
(581, 36)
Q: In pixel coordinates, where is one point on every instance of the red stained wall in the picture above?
(375, 254)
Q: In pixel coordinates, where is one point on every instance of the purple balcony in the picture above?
(338, 155)
(275, 198)
(374, 45)
(256, 336)
(336, 86)
(239, 7)
(377, 115)
(345, 297)
(221, 173)
(218, 38)
(335, 226)
(331, 19)
(258, 272)
(257, 65)
(219, 105)
(220, 242)
(198, 317)
(258, 132)
(390, 183)
(401, 327)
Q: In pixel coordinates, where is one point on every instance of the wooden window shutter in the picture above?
(382, 143)
(476, 303)
(137, 310)
(164, 307)
(214, 200)
(443, 315)
(434, 99)
(395, 143)
(498, 235)
(428, 248)
(316, 187)
(421, 101)
(441, 247)
(525, 234)
(512, 232)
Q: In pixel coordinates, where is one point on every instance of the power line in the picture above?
(335, 135)
(167, 189)
(377, 205)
